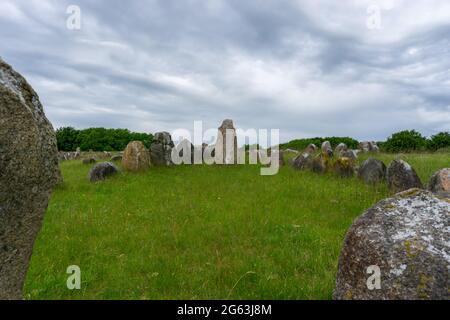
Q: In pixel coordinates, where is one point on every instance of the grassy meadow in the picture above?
(201, 232)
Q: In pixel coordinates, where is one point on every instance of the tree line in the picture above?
(101, 139)
(98, 139)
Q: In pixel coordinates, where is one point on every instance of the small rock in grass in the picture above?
(401, 176)
(372, 171)
(102, 170)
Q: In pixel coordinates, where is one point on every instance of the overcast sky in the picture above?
(309, 68)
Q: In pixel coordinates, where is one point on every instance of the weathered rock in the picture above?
(117, 157)
(407, 238)
(28, 172)
(102, 170)
(368, 146)
(320, 163)
(89, 161)
(351, 154)
(327, 149)
(161, 149)
(303, 161)
(440, 181)
(135, 157)
(226, 154)
(401, 176)
(344, 167)
(372, 171)
(340, 149)
(311, 149)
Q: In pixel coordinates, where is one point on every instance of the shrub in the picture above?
(439, 141)
(405, 141)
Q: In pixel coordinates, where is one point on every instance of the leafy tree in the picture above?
(67, 138)
(439, 141)
(405, 141)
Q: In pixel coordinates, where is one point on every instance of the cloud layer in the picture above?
(309, 68)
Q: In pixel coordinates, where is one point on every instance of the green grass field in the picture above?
(201, 232)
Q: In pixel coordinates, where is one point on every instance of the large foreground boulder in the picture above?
(398, 249)
(101, 171)
(135, 157)
(440, 181)
(372, 171)
(161, 149)
(28, 172)
(401, 176)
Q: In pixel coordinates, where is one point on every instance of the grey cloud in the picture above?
(160, 65)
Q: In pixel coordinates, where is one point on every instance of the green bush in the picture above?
(439, 141)
(98, 139)
(301, 144)
(405, 141)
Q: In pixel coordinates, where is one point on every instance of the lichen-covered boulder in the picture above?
(101, 171)
(398, 249)
(135, 157)
(401, 176)
(161, 149)
(28, 172)
(372, 171)
(440, 181)
(344, 167)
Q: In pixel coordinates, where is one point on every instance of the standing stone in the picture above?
(372, 171)
(368, 146)
(351, 154)
(226, 154)
(311, 149)
(326, 148)
(28, 172)
(407, 238)
(135, 157)
(320, 163)
(102, 170)
(344, 167)
(401, 176)
(161, 149)
(303, 161)
(440, 181)
(341, 148)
